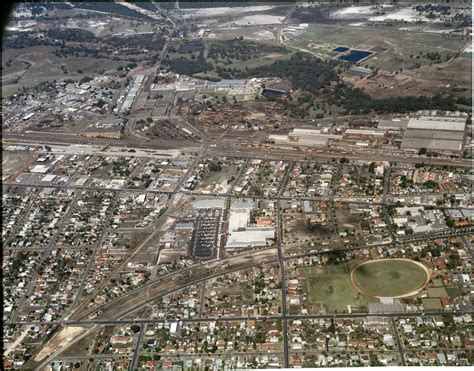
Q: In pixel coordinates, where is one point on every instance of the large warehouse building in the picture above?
(305, 137)
(437, 134)
(241, 234)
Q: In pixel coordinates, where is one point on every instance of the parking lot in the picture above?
(204, 239)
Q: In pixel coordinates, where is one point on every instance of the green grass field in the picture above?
(453, 292)
(333, 288)
(389, 277)
(432, 303)
(437, 292)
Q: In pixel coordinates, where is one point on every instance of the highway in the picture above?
(290, 317)
(359, 200)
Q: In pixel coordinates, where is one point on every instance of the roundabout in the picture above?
(397, 278)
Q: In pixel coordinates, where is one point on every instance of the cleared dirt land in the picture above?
(13, 162)
(390, 277)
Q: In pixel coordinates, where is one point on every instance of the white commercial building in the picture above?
(209, 204)
(306, 137)
(250, 236)
(241, 235)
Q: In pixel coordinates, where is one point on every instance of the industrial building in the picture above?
(185, 84)
(114, 131)
(306, 137)
(437, 134)
(364, 133)
(127, 103)
(394, 124)
(361, 71)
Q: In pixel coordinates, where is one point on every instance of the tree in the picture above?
(450, 222)
(135, 328)
(372, 167)
(422, 151)
(215, 166)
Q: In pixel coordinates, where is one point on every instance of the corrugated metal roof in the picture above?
(433, 144)
(437, 123)
(385, 124)
(433, 134)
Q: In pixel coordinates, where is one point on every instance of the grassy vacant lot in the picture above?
(389, 277)
(392, 46)
(298, 229)
(332, 287)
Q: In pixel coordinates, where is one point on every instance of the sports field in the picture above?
(333, 289)
(389, 277)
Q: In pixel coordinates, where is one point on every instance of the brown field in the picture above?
(426, 80)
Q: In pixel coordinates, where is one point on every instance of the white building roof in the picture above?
(433, 144)
(48, 178)
(365, 132)
(251, 236)
(238, 219)
(437, 123)
(39, 169)
(242, 204)
(301, 131)
(209, 204)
